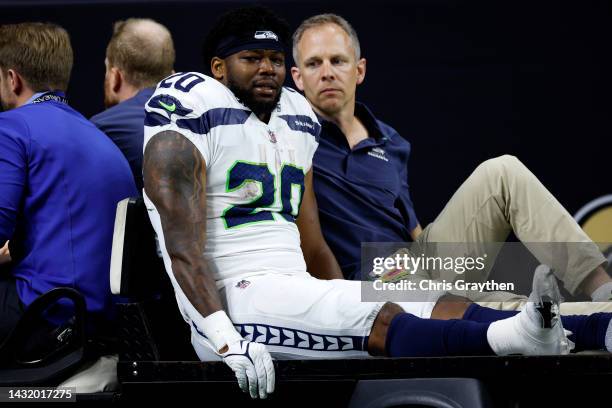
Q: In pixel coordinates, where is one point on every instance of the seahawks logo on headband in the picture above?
(259, 40)
(265, 35)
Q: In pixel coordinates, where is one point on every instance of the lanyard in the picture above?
(57, 96)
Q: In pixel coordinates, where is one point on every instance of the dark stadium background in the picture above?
(462, 80)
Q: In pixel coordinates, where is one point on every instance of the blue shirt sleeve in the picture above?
(13, 171)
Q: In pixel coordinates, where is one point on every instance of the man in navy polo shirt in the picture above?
(60, 179)
(361, 176)
(138, 56)
(360, 168)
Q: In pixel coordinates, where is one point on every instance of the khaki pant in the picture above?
(501, 196)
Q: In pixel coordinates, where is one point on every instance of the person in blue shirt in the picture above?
(361, 176)
(60, 178)
(139, 55)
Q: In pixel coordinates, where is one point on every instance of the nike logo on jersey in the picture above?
(169, 108)
(170, 104)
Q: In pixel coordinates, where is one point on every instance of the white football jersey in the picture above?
(255, 172)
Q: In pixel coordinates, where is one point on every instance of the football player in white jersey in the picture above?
(228, 185)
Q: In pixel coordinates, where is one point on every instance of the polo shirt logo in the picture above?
(378, 153)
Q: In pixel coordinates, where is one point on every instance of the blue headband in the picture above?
(260, 40)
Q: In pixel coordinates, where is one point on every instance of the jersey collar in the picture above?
(34, 97)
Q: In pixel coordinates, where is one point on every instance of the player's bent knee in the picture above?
(450, 307)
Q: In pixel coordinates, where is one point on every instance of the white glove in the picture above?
(253, 367)
(250, 361)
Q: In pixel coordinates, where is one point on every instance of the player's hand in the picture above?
(253, 367)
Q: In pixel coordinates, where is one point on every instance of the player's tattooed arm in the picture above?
(175, 181)
(320, 260)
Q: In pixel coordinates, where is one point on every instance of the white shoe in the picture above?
(537, 329)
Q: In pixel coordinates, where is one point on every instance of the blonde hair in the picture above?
(40, 52)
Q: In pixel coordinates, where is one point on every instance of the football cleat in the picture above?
(537, 329)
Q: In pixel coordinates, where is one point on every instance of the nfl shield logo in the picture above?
(272, 136)
(243, 284)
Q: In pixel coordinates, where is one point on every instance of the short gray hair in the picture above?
(322, 19)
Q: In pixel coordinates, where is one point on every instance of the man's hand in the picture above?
(5, 255)
(253, 367)
(414, 234)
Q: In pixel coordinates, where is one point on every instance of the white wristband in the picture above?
(219, 329)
